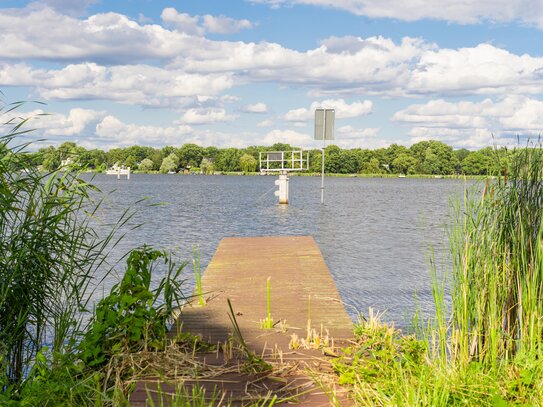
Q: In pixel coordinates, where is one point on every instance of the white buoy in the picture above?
(282, 182)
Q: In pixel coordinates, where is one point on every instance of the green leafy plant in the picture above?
(134, 316)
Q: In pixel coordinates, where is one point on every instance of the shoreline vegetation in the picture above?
(333, 175)
(57, 348)
(432, 158)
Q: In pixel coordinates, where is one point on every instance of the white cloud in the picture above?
(350, 137)
(291, 137)
(343, 110)
(112, 37)
(70, 7)
(183, 22)
(255, 108)
(113, 132)
(346, 45)
(265, 123)
(483, 69)
(298, 115)
(54, 125)
(133, 84)
(339, 66)
(376, 66)
(206, 116)
(224, 25)
(473, 124)
(199, 25)
(464, 12)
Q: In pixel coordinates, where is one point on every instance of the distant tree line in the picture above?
(426, 157)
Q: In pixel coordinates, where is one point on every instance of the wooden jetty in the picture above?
(305, 304)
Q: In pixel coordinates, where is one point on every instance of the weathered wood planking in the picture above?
(301, 286)
(302, 289)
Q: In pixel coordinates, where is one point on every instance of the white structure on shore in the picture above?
(119, 170)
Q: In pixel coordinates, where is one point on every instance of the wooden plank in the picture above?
(302, 288)
(302, 291)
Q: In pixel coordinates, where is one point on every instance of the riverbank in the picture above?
(334, 175)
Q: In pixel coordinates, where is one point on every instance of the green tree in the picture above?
(247, 163)
(207, 167)
(115, 155)
(434, 157)
(69, 149)
(486, 161)
(210, 152)
(393, 152)
(50, 160)
(146, 165)
(282, 147)
(190, 155)
(156, 157)
(131, 162)
(404, 164)
(228, 160)
(315, 160)
(139, 152)
(94, 159)
(373, 166)
(332, 159)
(167, 150)
(461, 154)
(170, 163)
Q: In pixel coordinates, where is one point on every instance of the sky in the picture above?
(251, 72)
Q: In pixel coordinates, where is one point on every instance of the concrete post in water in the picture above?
(128, 173)
(282, 182)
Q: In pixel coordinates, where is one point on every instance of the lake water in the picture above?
(375, 234)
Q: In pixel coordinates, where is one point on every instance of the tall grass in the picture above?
(497, 275)
(48, 256)
(485, 349)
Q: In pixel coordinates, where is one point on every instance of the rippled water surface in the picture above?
(374, 233)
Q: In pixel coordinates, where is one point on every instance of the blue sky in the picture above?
(240, 73)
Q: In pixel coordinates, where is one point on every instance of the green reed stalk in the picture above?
(497, 273)
(268, 298)
(198, 274)
(50, 254)
(267, 323)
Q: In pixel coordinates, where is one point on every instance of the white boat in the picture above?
(401, 176)
(118, 171)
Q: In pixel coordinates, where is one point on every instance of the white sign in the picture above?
(325, 120)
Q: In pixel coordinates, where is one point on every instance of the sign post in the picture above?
(324, 130)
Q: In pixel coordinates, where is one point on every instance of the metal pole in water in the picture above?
(321, 120)
(323, 147)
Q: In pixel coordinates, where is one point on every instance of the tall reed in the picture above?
(497, 276)
(196, 264)
(49, 255)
